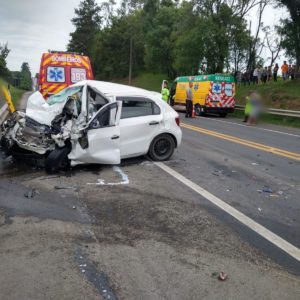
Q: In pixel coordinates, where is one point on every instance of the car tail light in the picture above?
(177, 120)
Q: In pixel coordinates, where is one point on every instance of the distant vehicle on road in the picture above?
(60, 69)
(211, 93)
(92, 122)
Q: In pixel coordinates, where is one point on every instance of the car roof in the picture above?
(116, 89)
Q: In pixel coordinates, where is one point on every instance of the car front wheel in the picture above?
(162, 147)
(57, 159)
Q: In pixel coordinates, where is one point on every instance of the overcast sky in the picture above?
(31, 27)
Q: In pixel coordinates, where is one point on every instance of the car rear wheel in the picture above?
(57, 160)
(162, 147)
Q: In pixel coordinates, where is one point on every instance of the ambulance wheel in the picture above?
(222, 115)
(162, 147)
(57, 160)
(198, 110)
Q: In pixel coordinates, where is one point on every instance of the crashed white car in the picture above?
(92, 122)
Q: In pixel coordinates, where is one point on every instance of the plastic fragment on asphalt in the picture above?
(255, 164)
(267, 190)
(274, 195)
(74, 207)
(259, 209)
(30, 194)
(82, 271)
(222, 276)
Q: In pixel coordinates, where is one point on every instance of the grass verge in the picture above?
(281, 94)
(16, 93)
(148, 81)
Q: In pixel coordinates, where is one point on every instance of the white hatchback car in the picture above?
(93, 122)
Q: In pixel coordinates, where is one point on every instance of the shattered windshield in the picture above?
(62, 96)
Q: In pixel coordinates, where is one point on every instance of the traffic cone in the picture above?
(193, 112)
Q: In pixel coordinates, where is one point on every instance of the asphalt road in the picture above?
(153, 237)
(239, 174)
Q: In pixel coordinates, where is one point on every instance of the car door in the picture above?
(100, 140)
(141, 121)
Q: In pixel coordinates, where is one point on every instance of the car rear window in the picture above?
(138, 107)
(56, 74)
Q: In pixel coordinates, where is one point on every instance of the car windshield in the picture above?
(64, 94)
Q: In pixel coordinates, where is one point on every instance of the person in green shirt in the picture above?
(165, 93)
(247, 108)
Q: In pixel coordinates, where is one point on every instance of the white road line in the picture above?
(259, 229)
(256, 127)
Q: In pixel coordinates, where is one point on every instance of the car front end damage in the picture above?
(22, 134)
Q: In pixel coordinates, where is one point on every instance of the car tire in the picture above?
(198, 111)
(57, 159)
(222, 115)
(162, 147)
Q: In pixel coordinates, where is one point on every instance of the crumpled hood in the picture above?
(40, 111)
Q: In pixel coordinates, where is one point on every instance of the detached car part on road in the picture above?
(92, 122)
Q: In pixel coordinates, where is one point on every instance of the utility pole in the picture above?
(130, 60)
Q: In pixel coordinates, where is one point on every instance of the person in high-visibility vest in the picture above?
(165, 93)
(247, 109)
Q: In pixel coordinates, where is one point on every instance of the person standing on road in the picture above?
(285, 70)
(255, 108)
(189, 101)
(275, 71)
(165, 93)
(247, 108)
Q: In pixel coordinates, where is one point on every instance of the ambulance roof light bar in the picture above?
(65, 52)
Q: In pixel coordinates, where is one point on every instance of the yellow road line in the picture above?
(277, 151)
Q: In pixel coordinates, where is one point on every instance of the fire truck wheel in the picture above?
(198, 111)
(222, 115)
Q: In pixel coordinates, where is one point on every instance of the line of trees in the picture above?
(180, 37)
(21, 79)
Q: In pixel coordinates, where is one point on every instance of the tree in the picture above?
(4, 51)
(87, 23)
(25, 77)
(160, 40)
(273, 42)
(291, 29)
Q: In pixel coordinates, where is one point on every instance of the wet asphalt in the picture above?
(235, 173)
(262, 185)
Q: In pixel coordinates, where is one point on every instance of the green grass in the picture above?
(148, 81)
(16, 93)
(281, 94)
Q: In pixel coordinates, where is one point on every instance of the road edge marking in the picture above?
(248, 222)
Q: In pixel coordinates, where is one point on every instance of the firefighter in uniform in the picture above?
(189, 101)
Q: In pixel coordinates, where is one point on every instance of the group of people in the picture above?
(264, 74)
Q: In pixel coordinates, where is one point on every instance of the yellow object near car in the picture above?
(211, 93)
(8, 99)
